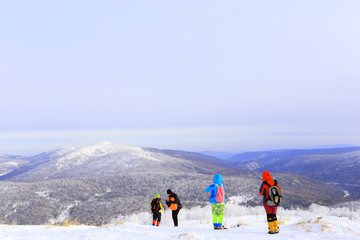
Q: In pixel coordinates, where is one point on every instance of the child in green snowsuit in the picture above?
(218, 206)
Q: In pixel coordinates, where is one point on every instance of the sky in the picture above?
(190, 75)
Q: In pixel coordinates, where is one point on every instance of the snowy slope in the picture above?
(107, 158)
(9, 163)
(97, 183)
(316, 223)
(16, 165)
(335, 165)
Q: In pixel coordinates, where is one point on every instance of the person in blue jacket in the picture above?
(217, 204)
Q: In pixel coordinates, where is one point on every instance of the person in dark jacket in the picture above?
(270, 211)
(173, 202)
(156, 207)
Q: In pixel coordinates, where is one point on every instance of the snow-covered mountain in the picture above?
(97, 183)
(220, 155)
(107, 158)
(336, 165)
(17, 164)
(10, 163)
(267, 157)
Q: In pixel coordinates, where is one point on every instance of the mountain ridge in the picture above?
(107, 158)
(97, 183)
(336, 165)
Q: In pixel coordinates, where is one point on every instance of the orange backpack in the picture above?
(173, 205)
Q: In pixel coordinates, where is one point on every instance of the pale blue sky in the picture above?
(192, 75)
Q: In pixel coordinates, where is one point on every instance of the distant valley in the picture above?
(340, 166)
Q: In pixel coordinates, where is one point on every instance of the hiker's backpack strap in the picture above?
(266, 183)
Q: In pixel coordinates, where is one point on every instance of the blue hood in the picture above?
(218, 179)
(213, 188)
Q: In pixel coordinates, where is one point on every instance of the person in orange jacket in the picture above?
(270, 210)
(173, 202)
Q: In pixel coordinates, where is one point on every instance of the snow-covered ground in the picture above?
(315, 223)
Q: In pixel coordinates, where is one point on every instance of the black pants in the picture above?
(174, 217)
(157, 216)
(271, 217)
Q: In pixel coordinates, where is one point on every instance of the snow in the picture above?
(14, 164)
(239, 199)
(125, 152)
(315, 223)
(44, 194)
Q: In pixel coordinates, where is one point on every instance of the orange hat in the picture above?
(266, 176)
